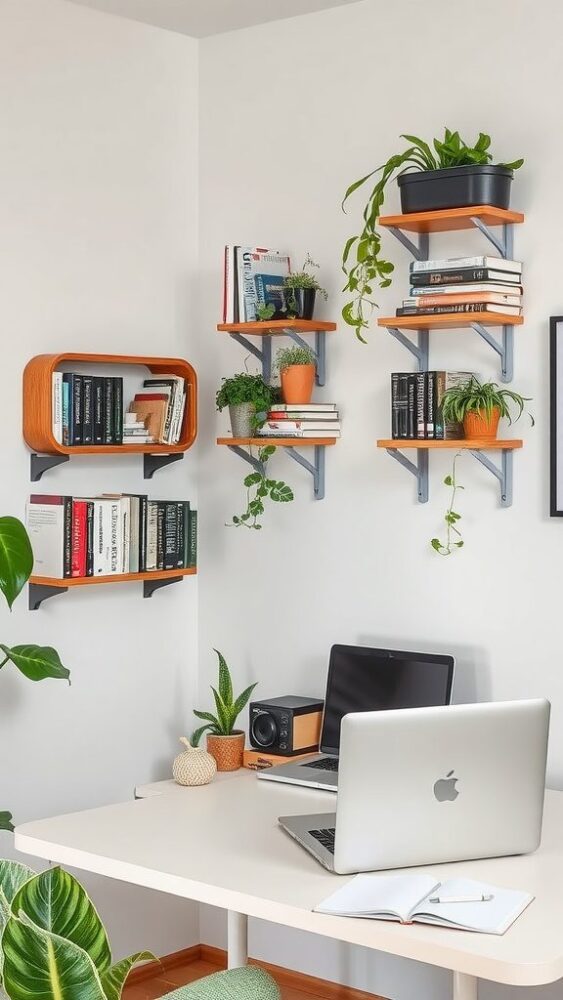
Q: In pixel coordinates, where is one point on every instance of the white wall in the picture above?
(291, 113)
(98, 252)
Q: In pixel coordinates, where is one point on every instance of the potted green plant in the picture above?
(479, 407)
(448, 173)
(301, 289)
(34, 662)
(53, 943)
(296, 366)
(247, 396)
(224, 742)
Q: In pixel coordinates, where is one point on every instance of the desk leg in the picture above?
(237, 940)
(465, 987)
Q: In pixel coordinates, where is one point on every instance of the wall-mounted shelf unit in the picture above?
(395, 447)
(485, 218)
(41, 588)
(38, 417)
(316, 468)
(293, 328)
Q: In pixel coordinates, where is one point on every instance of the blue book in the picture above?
(270, 290)
(67, 417)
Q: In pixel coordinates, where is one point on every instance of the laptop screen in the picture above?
(361, 679)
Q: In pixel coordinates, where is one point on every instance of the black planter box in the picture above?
(455, 187)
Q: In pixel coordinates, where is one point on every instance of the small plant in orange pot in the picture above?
(224, 742)
(479, 407)
(296, 366)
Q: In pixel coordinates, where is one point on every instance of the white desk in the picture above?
(221, 845)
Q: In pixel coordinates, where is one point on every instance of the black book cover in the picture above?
(402, 404)
(180, 519)
(186, 520)
(117, 410)
(160, 522)
(170, 535)
(192, 539)
(77, 409)
(98, 409)
(411, 407)
(87, 409)
(430, 404)
(109, 431)
(419, 279)
(395, 405)
(421, 380)
(90, 538)
(459, 307)
(67, 561)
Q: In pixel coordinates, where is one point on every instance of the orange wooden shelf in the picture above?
(475, 444)
(88, 581)
(449, 321)
(450, 219)
(278, 326)
(288, 442)
(37, 403)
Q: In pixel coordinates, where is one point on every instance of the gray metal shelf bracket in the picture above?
(421, 352)
(38, 464)
(39, 592)
(420, 250)
(152, 463)
(419, 471)
(505, 349)
(504, 474)
(317, 469)
(505, 246)
(256, 464)
(264, 354)
(319, 351)
(149, 586)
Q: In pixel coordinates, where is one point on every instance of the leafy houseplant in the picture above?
(53, 943)
(479, 406)
(451, 517)
(224, 742)
(362, 261)
(247, 396)
(35, 662)
(300, 291)
(259, 487)
(296, 366)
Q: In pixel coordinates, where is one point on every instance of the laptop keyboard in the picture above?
(324, 764)
(325, 837)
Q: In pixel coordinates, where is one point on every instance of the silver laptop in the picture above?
(362, 679)
(428, 785)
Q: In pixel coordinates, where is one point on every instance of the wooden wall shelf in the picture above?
(471, 443)
(278, 326)
(41, 588)
(450, 321)
(38, 417)
(316, 468)
(292, 328)
(448, 220)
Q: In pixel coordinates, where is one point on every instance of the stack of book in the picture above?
(297, 420)
(110, 534)
(87, 409)
(464, 285)
(416, 405)
(253, 276)
(156, 412)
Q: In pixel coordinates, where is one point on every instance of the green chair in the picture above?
(237, 984)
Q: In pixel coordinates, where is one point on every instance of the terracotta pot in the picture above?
(481, 424)
(297, 383)
(227, 750)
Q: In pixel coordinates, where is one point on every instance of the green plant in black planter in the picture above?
(362, 262)
(301, 289)
(248, 397)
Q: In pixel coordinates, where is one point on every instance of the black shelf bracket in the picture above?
(419, 471)
(315, 468)
(149, 586)
(264, 354)
(504, 474)
(38, 464)
(39, 592)
(152, 463)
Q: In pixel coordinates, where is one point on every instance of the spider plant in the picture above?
(474, 396)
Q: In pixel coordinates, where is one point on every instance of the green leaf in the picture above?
(252, 479)
(36, 662)
(265, 453)
(222, 712)
(113, 980)
(225, 683)
(56, 902)
(436, 544)
(6, 821)
(242, 700)
(206, 716)
(281, 493)
(38, 964)
(16, 558)
(198, 733)
(514, 165)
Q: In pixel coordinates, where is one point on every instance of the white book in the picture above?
(104, 522)
(470, 288)
(134, 539)
(306, 407)
(229, 285)
(152, 535)
(409, 899)
(281, 426)
(57, 406)
(449, 263)
(251, 262)
(45, 523)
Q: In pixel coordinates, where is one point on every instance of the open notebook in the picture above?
(406, 898)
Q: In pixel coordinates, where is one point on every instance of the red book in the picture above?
(152, 395)
(79, 537)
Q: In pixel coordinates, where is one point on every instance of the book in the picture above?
(412, 406)
(265, 433)
(421, 395)
(250, 262)
(465, 275)
(270, 290)
(294, 426)
(70, 418)
(303, 415)
(465, 307)
(152, 530)
(304, 407)
(229, 285)
(66, 416)
(45, 523)
(57, 406)
(89, 538)
(109, 412)
(88, 410)
(77, 409)
(153, 412)
(430, 403)
(98, 409)
(460, 298)
(172, 386)
(442, 381)
(192, 539)
(170, 543)
(117, 410)
(468, 287)
(407, 899)
(399, 404)
(79, 538)
(448, 264)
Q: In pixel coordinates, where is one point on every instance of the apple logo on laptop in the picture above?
(444, 788)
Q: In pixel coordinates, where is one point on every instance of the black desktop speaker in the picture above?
(286, 726)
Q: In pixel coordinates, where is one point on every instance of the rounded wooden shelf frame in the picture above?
(37, 403)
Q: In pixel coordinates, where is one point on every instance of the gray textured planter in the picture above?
(242, 417)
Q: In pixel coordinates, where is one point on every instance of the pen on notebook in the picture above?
(482, 898)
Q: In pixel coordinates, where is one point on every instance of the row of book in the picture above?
(110, 535)
(253, 277)
(302, 421)
(464, 285)
(416, 405)
(89, 410)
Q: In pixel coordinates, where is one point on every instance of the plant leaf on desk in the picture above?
(36, 662)
(16, 558)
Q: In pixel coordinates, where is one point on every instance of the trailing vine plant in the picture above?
(258, 489)
(451, 517)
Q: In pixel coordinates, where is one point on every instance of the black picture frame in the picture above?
(556, 416)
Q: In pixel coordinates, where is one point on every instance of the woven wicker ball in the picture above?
(193, 767)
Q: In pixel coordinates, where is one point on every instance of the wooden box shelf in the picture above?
(43, 587)
(38, 416)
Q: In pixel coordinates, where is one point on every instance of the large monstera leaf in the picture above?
(16, 558)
